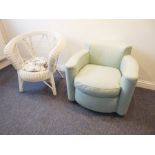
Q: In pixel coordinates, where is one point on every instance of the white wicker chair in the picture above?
(26, 47)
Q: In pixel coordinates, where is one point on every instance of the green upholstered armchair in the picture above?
(102, 78)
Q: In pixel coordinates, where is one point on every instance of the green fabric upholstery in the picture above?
(98, 81)
(98, 104)
(103, 78)
(129, 69)
(72, 68)
(108, 54)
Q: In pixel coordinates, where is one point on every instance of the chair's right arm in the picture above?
(129, 69)
(72, 67)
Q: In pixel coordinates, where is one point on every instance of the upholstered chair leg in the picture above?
(20, 82)
(52, 81)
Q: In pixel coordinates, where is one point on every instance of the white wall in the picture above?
(139, 33)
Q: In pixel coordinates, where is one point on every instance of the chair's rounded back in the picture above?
(109, 53)
(29, 45)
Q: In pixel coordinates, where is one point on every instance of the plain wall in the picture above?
(138, 33)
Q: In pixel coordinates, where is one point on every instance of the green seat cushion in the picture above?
(99, 81)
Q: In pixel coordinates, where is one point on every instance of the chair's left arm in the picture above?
(129, 69)
(12, 53)
(72, 67)
(55, 52)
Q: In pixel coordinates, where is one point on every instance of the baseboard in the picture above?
(4, 63)
(146, 84)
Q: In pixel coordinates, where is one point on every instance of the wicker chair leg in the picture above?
(20, 82)
(60, 74)
(52, 81)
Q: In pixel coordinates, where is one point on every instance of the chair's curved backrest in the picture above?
(108, 53)
(29, 45)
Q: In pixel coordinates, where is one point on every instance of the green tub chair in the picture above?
(103, 78)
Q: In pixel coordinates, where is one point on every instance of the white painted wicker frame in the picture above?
(12, 53)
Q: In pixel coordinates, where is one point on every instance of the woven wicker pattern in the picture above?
(28, 43)
(34, 76)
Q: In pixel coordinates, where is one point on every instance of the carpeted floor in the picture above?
(37, 111)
